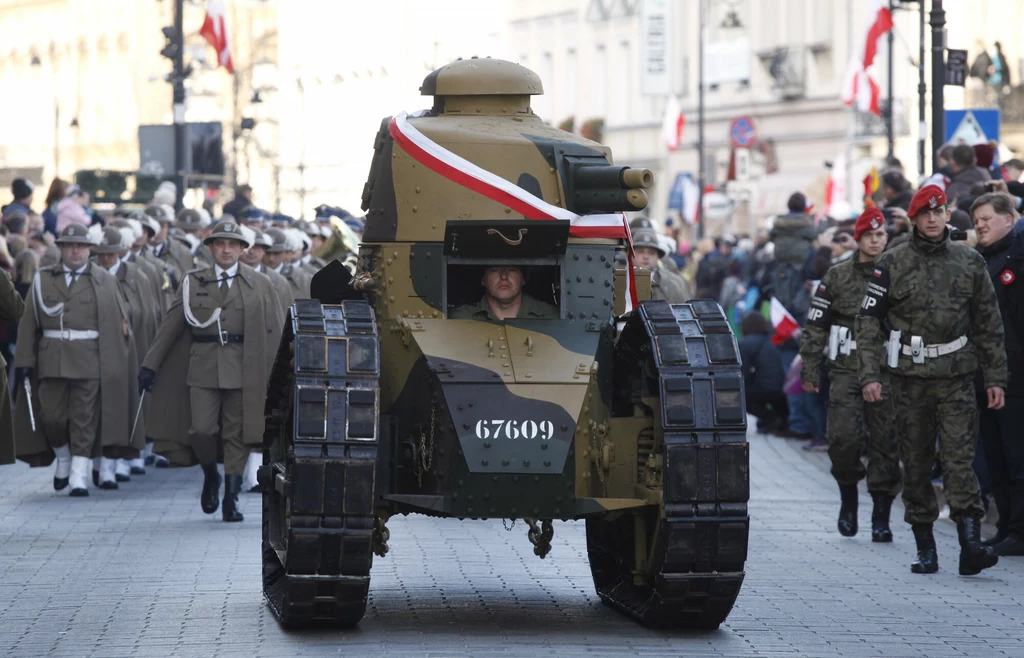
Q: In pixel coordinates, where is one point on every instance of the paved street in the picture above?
(142, 572)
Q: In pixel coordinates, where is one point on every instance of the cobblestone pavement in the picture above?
(142, 572)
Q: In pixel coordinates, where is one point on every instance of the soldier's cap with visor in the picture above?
(76, 234)
(191, 220)
(260, 239)
(310, 229)
(278, 241)
(647, 237)
(114, 240)
(227, 230)
(160, 212)
(929, 196)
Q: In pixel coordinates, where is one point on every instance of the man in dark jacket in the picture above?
(1000, 428)
(243, 198)
(763, 374)
(966, 173)
(22, 191)
(793, 233)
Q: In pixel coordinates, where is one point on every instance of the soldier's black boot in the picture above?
(848, 510)
(880, 531)
(974, 556)
(927, 556)
(232, 486)
(211, 489)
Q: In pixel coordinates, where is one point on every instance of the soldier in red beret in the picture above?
(930, 320)
(828, 340)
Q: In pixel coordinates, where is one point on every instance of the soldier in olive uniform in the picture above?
(504, 299)
(315, 239)
(196, 225)
(935, 300)
(648, 253)
(11, 308)
(213, 354)
(76, 346)
(114, 246)
(253, 257)
(852, 421)
(169, 251)
(277, 259)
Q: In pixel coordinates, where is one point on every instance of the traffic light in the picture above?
(172, 48)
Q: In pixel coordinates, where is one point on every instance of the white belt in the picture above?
(71, 334)
(840, 342)
(920, 351)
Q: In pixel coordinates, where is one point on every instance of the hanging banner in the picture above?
(656, 51)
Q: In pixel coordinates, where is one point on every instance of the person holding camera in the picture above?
(994, 216)
(828, 340)
(930, 315)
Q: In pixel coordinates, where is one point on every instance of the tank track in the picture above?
(319, 456)
(685, 358)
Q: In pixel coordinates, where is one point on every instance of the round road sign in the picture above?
(742, 133)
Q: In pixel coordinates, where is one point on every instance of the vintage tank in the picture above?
(631, 419)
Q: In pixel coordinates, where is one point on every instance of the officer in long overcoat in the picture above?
(11, 308)
(110, 254)
(208, 368)
(76, 348)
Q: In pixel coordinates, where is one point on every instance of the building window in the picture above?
(599, 87)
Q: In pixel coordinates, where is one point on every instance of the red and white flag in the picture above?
(215, 31)
(672, 124)
(462, 172)
(784, 323)
(860, 86)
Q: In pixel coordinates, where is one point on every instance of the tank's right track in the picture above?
(685, 357)
(320, 451)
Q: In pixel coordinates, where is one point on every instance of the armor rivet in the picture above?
(504, 462)
(528, 375)
(515, 478)
(564, 428)
(547, 463)
(536, 511)
(514, 511)
(543, 446)
(526, 462)
(455, 495)
(589, 257)
(579, 279)
(487, 496)
(487, 444)
(415, 209)
(417, 189)
(508, 210)
(465, 426)
(575, 256)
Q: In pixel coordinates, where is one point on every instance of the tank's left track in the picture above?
(319, 461)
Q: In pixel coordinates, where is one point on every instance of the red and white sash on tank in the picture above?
(457, 169)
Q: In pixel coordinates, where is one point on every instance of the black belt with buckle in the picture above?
(219, 338)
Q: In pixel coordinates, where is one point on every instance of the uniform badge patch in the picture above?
(1007, 277)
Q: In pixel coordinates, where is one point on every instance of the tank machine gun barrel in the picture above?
(607, 188)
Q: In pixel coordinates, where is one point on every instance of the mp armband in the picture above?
(876, 298)
(819, 313)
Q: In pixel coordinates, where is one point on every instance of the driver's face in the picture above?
(503, 283)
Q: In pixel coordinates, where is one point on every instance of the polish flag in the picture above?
(860, 86)
(672, 124)
(835, 188)
(215, 31)
(785, 324)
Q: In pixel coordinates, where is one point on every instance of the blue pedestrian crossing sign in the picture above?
(972, 126)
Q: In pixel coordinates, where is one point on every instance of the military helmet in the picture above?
(161, 213)
(261, 239)
(310, 229)
(647, 237)
(76, 234)
(190, 220)
(278, 241)
(149, 223)
(113, 240)
(228, 230)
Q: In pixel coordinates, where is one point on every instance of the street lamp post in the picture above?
(702, 174)
(180, 128)
(938, 23)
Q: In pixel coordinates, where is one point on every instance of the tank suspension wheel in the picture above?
(320, 456)
(679, 564)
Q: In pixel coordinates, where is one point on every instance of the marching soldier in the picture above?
(76, 348)
(171, 252)
(664, 284)
(137, 289)
(276, 259)
(315, 238)
(254, 256)
(210, 362)
(935, 300)
(851, 420)
(196, 227)
(11, 308)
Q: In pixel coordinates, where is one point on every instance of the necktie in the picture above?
(224, 282)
